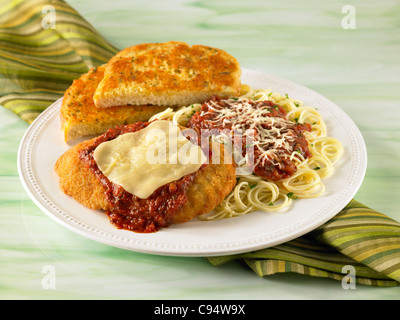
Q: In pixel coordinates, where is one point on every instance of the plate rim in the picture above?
(144, 246)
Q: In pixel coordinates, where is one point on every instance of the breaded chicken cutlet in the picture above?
(176, 202)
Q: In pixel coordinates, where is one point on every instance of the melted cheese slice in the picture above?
(147, 159)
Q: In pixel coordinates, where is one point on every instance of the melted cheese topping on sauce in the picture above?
(272, 134)
(147, 159)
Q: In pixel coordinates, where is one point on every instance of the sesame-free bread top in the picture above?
(167, 74)
(80, 117)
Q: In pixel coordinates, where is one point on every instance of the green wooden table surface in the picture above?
(354, 63)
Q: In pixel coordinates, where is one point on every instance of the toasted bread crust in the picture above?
(168, 74)
(80, 117)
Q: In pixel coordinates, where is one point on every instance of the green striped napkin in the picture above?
(44, 46)
(358, 245)
(38, 63)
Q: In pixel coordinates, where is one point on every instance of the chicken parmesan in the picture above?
(183, 197)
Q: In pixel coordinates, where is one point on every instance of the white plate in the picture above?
(43, 143)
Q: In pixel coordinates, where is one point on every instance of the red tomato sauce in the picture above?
(277, 168)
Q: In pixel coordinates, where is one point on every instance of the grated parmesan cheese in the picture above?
(276, 139)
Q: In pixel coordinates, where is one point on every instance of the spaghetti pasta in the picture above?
(252, 192)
